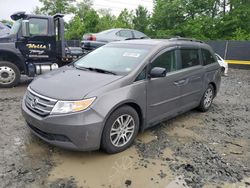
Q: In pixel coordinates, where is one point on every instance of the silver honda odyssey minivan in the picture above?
(105, 98)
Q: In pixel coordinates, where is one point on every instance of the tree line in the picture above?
(201, 19)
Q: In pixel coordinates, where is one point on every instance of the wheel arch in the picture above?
(12, 57)
(214, 86)
(223, 69)
(135, 106)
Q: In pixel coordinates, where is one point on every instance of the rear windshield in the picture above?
(120, 60)
(107, 31)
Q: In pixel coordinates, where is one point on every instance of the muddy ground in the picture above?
(193, 150)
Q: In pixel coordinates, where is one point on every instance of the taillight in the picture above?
(91, 37)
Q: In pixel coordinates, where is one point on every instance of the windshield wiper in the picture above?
(100, 70)
(96, 70)
(80, 68)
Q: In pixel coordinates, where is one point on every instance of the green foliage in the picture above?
(75, 29)
(168, 14)
(85, 20)
(211, 19)
(124, 20)
(106, 20)
(141, 19)
(235, 22)
(7, 22)
(51, 7)
(240, 34)
(201, 19)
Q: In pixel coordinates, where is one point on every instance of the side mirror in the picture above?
(25, 28)
(158, 72)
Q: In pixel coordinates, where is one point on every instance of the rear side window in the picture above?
(38, 26)
(125, 34)
(166, 60)
(207, 57)
(189, 57)
(139, 35)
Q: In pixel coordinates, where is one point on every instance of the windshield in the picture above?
(15, 28)
(120, 60)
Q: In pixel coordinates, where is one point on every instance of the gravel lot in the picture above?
(193, 150)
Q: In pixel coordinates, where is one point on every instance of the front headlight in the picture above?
(72, 106)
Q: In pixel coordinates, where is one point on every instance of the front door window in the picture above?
(38, 26)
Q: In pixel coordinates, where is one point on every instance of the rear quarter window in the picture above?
(207, 57)
(139, 35)
(125, 34)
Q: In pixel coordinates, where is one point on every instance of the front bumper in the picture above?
(77, 131)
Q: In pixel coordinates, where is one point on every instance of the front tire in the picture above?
(9, 74)
(120, 130)
(207, 98)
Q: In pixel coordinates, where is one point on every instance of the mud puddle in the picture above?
(96, 169)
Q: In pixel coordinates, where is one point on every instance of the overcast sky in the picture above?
(8, 7)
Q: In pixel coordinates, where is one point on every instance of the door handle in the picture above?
(180, 82)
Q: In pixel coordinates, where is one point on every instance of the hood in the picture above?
(69, 83)
(7, 38)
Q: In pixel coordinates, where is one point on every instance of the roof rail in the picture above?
(185, 39)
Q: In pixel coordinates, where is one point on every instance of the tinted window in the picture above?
(139, 35)
(189, 57)
(207, 57)
(167, 60)
(38, 26)
(125, 34)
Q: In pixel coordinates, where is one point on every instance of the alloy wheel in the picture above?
(122, 130)
(208, 98)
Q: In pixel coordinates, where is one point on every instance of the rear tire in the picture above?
(207, 99)
(120, 130)
(9, 74)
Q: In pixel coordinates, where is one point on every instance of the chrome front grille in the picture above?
(39, 104)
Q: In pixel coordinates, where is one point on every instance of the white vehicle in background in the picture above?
(223, 64)
(4, 29)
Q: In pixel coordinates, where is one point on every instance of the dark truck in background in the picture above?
(34, 45)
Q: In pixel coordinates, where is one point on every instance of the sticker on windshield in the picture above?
(128, 69)
(131, 54)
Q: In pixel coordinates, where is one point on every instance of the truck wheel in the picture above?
(9, 74)
(120, 130)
